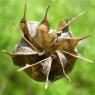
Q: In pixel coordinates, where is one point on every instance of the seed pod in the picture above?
(43, 54)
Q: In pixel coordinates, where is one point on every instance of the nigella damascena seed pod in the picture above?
(46, 54)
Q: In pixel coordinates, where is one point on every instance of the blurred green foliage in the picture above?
(82, 76)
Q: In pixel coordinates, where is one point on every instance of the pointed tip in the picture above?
(25, 10)
(90, 61)
(82, 38)
(68, 78)
(74, 18)
(21, 69)
(74, 41)
(8, 53)
(45, 17)
(79, 57)
(81, 13)
(46, 86)
(85, 59)
(24, 15)
(47, 10)
(70, 20)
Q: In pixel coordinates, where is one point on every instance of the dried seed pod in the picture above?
(44, 55)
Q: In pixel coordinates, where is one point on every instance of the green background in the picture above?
(83, 75)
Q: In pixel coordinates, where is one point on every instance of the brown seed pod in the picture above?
(43, 54)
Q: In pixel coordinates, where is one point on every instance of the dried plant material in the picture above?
(63, 24)
(79, 57)
(63, 62)
(24, 27)
(42, 36)
(46, 70)
(44, 55)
